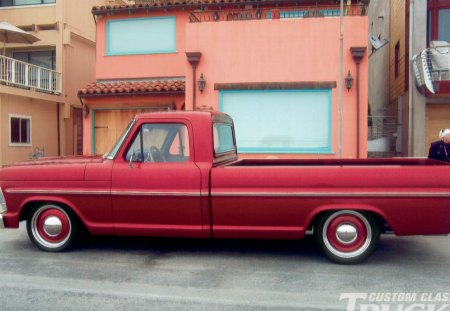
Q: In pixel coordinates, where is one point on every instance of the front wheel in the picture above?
(51, 228)
(347, 237)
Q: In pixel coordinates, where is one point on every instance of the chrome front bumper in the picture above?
(3, 209)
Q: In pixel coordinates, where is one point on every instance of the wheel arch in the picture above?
(314, 217)
(32, 203)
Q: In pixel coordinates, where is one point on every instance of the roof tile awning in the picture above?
(121, 88)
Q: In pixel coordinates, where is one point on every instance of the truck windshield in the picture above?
(112, 154)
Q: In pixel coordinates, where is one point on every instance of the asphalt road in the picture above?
(174, 274)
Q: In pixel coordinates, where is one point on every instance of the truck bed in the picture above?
(281, 197)
(339, 162)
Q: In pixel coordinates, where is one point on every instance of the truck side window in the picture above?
(160, 142)
(223, 138)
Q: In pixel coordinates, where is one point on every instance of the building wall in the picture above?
(27, 15)
(276, 51)
(141, 66)
(379, 73)
(414, 104)
(78, 18)
(79, 54)
(79, 66)
(254, 51)
(43, 127)
(74, 43)
(398, 31)
(419, 102)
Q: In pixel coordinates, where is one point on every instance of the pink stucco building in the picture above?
(277, 67)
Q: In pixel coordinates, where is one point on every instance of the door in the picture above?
(109, 125)
(77, 131)
(156, 183)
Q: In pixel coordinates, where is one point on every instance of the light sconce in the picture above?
(201, 83)
(85, 111)
(349, 81)
(258, 13)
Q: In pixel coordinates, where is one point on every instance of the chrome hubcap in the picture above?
(52, 226)
(346, 233)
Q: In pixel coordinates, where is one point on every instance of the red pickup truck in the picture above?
(177, 174)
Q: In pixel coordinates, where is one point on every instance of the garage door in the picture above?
(438, 117)
(109, 125)
(288, 121)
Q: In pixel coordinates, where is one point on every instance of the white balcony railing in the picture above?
(432, 65)
(21, 74)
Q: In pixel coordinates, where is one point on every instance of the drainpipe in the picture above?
(193, 59)
(358, 54)
(410, 88)
(341, 74)
(58, 129)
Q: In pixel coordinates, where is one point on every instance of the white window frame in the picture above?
(11, 144)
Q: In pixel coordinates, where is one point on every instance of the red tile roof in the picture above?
(164, 4)
(150, 87)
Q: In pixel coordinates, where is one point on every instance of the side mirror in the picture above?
(131, 159)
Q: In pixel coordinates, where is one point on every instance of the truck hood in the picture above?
(49, 169)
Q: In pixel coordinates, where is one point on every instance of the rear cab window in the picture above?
(224, 140)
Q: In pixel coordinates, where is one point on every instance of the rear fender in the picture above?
(313, 216)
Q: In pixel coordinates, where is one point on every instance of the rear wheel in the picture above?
(51, 228)
(347, 237)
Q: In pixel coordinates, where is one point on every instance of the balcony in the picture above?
(275, 13)
(431, 69)
(24, 75)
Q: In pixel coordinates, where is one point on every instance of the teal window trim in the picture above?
(292, 14)
(333, 13)
(109, 51)
(302, 14)
(295, 150)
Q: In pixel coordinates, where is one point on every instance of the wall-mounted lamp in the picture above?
(258, 13)
(349, 81)
(201, 83)
(85, 111)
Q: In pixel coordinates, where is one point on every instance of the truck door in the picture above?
(156, 183)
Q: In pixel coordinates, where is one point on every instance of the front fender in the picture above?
(32, 201)
(96, 217)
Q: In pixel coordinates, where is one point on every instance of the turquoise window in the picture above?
(141, 36)
(280, 121)
(444, 25)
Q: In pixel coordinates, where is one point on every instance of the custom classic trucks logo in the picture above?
(397, 301)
